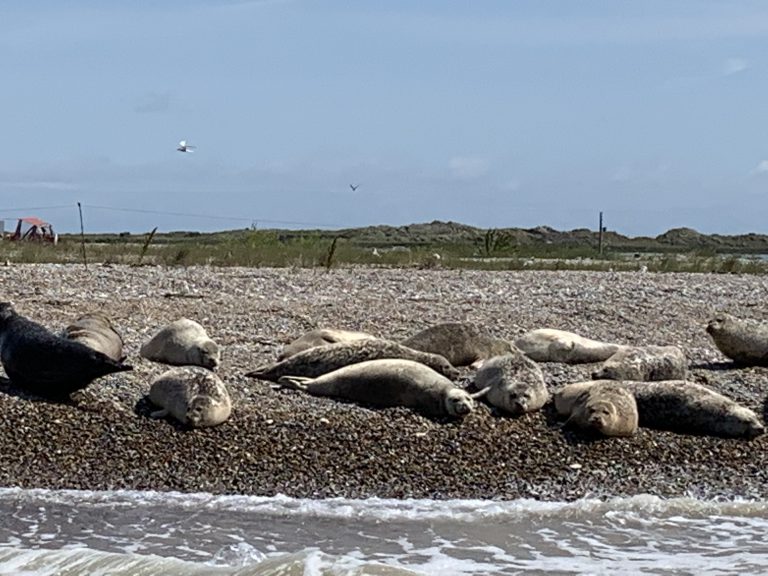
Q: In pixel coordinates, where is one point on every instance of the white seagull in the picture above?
(184, 147)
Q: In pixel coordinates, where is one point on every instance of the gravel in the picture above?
(286, 442)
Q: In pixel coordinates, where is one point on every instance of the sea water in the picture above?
(73, 533)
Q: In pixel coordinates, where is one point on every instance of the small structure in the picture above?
(34, 229)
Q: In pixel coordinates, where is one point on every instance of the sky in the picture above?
(488, 113)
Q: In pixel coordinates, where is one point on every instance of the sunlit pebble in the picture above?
(160, 456)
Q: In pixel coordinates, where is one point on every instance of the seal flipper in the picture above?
(477, 364)
(294, 382)
(567, 421)
(480, 394)
(157, 414)
(262, 372)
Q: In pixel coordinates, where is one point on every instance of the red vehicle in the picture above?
(34, 229)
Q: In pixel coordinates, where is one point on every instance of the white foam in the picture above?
(241, 534)
(382, 509)
(15, 562)
(86, 562)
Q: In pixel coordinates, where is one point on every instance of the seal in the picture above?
(387, 383)
(183, 342)
(513, 383)
(687, 407)
(644, 364)
(745, 341)
(323, 359)
(39, 361)
(606, 407)
(565, 398)
(680, 406)
(462, 344)
(321, 337)
(95, 330)
(549, 345)
(193, 395)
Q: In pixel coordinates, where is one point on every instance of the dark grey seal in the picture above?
(323, 359)
(461, 343)
(687, 407)
(39, 361)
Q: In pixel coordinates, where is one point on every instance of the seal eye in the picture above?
(518, 403)
(195, 415)
(460, 406)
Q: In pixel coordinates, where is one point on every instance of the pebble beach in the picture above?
(285, 442)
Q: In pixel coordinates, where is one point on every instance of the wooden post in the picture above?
(82, 235)
(600, 236)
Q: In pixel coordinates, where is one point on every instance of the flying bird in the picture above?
(184, 147)
(354, 186)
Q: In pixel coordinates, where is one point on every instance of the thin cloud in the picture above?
(41, 185)
(734, 66)
(761, 168)
(153, 103)
(623, 173)
(628, 172)
(468, 167)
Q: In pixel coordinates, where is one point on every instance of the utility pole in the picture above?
(600, 235)
(82, 235)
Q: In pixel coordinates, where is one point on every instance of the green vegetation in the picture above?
(438, 244)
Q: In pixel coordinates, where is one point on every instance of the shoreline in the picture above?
(284, 442)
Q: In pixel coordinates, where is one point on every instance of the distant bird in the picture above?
(184, 147)
(354, 186)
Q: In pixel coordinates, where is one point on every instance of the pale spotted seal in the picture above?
(387, 383)
(549, 345)
(606, 407)
(462, 344)
(192, 395)
(95, 330)
(180, 343)
(37, 360)
(321, 337)
(744, 341)
(644, 364)
(512, 382)
(323, 359)
(685, 407)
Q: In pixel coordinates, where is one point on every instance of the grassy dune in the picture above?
(447, 245)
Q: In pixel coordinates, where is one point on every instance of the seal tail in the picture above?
(112, 366)
(264, 372)
(294, 382)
